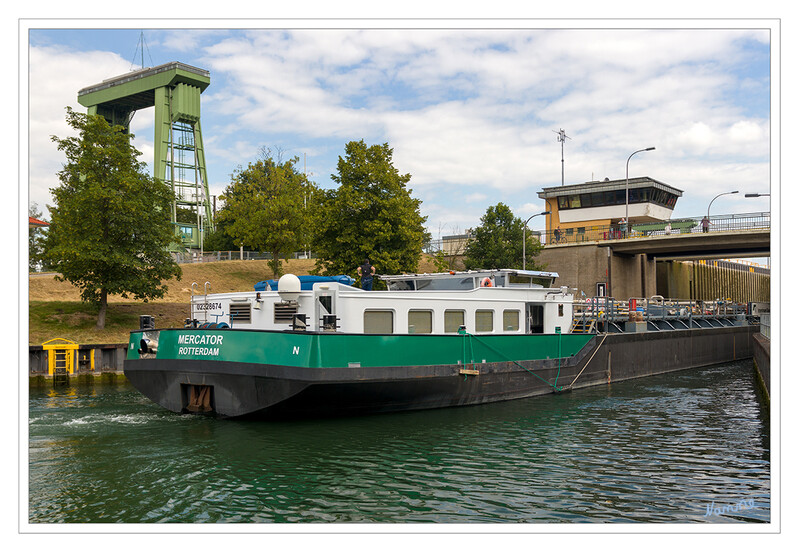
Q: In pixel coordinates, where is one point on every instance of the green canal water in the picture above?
(688, 447)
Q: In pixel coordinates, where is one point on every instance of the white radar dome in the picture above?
(288, 287)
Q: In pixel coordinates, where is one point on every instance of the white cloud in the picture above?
(747, 132)
(476, 197)
(55, 77)
(469, 114)
(699, 135)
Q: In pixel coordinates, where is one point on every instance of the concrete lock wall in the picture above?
(106, 358)
(584, 266)
(705, 281)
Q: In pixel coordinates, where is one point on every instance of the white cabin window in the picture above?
(510, 321)
(378, 322)
(484, 321)
(453, 320)
(420, 321)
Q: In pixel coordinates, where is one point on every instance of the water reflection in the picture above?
(660, 449)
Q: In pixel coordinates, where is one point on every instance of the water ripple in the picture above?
(687, 447)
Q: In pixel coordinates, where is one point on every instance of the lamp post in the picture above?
(524, 238)
(761, 195)
(714, 199)
(627, 192)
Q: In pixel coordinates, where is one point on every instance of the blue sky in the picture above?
(471, 109)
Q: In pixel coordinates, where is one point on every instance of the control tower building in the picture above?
(174, 90)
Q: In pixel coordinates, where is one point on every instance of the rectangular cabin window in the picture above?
(240, 312)
(560, 310)
(326, 301)
(420, 321)
(454, 319)
(510, 320)
(484, 321)
(378, 322)
(516, 279)
(446, 283)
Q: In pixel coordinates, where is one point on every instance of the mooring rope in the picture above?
(589, 360)
(554, 387)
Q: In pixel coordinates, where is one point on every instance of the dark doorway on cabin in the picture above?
(535, 318)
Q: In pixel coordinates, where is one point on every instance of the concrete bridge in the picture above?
(755, 242)
(656, 258)
(645, 265)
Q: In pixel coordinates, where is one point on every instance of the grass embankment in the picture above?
(76, 321)
(56, 310)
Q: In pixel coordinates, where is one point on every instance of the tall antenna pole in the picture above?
(141, 44)
(562, 138)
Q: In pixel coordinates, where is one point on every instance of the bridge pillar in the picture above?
(585, 266)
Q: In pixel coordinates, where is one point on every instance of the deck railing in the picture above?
(605, 314)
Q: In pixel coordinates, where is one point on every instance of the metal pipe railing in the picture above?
(657, 311)
(690, 225)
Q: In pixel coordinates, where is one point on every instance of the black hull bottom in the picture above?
(268, 391)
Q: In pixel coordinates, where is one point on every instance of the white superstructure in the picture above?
(483, 302)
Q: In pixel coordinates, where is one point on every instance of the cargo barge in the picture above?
(302, 347)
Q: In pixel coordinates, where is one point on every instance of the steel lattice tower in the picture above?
(174, 90)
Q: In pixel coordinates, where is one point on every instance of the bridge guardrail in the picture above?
(673, 227)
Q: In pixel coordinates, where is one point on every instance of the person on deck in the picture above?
(367, 272)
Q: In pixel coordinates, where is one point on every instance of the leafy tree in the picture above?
(110, 226)
(265, 207)
(35, 240)
(185, 215)
(371, 214)
(497, 242)
(220, 239)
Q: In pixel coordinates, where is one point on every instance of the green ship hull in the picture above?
(252, 373)
(262, 373)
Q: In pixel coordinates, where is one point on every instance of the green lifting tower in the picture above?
(179, 159)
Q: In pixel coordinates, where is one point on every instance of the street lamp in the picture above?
(627, 192)
(757, 195)
(714, 199)
(524, 238)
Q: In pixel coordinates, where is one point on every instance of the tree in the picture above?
(265, 207)
(371, 214)
(35, 240)
(497, 242)
(110, 226)
(220, 239)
